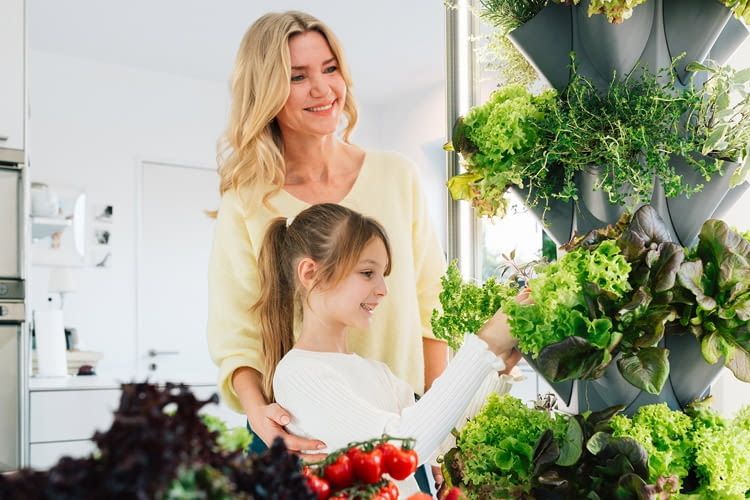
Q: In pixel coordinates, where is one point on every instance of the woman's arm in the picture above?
(233, 334)
(268, 420)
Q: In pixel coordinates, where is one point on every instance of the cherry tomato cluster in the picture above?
(357, 471)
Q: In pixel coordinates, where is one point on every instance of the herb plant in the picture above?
(616, 11)
(629, 132)
(510, 14)
(719, 120)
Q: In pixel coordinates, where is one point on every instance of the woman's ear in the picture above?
(306, 269)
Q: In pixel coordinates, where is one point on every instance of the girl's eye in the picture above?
(331, 69)
(298, 78)
(367, 274)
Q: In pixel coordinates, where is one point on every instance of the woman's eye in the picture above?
(298, 78)
(331, 69)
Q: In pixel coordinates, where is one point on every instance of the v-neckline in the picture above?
(349, 194)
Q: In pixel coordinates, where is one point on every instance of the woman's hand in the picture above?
(268, 422)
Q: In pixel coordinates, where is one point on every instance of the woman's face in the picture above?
(317, 89)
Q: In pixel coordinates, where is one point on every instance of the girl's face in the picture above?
(352, 302)
(317, 90)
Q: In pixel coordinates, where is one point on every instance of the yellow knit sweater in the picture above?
(387, 189)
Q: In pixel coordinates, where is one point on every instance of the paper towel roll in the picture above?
(50, 343)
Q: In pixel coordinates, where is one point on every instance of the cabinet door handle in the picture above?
(4, 138)
(152, 353)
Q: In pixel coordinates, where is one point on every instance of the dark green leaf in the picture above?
(664, 271)
(650, 228)
(460, 139)
(633, 451)
(572, 444)
(546, 452)
(569, 359)
(598, 442)
(689, 276)
(648, 369)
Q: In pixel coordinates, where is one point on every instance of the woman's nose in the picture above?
(319, 87)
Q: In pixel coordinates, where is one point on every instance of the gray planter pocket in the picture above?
(564, 389)
(558, 219)
(603, 47)
(690, 375)
(688, 214)
(679, 17)
(545, 41)
(729, 40)
(596, 201)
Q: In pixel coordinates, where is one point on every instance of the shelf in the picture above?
(43, 227)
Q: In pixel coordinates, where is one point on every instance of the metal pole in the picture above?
(460, 27)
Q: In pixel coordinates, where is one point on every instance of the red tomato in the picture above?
(420, 496)
(339, 496)
(390, 490)
(319, 486)
(401, 464)
(453, 494)
(368, 466)
(340, 473)
(387, 449)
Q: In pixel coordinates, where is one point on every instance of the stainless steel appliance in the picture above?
(13, 311)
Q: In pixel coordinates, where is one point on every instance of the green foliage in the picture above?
(612, 293)
(665, 434)
(740, 9)
(616, 10)
(495, 140)
(497, 446)
(716, 305)
(466, 306)
(510, 14)
(629, 133)
(229, 440)
(560, 295)
(719, 121)
(606, 466)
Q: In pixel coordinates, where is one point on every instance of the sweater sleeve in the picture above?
(233, 334)
(325, 404)
(429, 259)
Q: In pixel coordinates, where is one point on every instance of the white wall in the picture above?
(91, 123)
(414, 123)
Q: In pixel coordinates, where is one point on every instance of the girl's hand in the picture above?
(268, 422)
(496, 331)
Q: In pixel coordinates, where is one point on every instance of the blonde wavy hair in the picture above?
(250, 153)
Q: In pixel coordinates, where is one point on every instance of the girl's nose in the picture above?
(382, 288)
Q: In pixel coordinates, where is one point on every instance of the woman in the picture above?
(291, 91)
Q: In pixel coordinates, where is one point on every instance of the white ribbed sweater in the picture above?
(339, 398)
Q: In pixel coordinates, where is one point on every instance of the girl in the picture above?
(327, 267)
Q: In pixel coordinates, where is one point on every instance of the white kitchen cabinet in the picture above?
(65, 413)
(12, 57)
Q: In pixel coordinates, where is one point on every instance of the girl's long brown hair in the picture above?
(331, 235)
